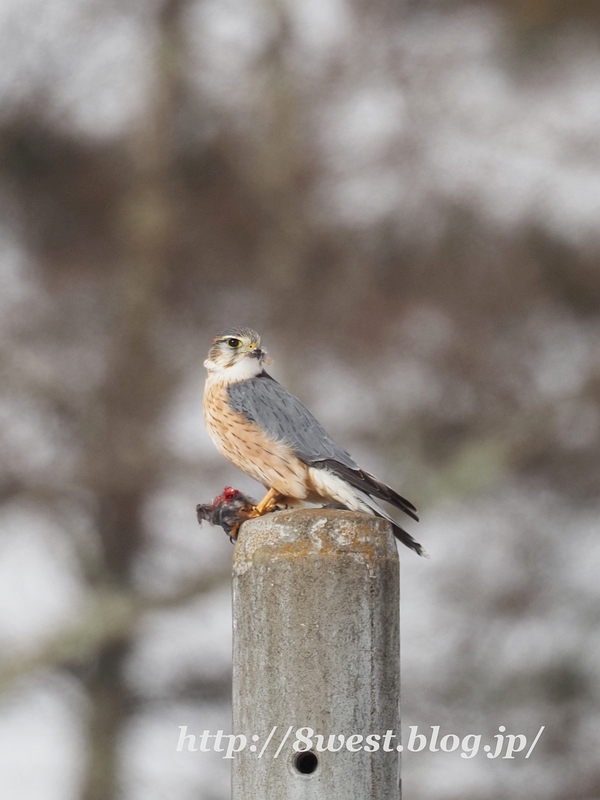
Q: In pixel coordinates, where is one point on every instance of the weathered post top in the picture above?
(316, 645)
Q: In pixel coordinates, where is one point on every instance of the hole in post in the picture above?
(306, 762)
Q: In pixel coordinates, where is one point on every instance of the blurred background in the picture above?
(404, 199)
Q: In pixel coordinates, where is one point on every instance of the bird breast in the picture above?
(249, 447)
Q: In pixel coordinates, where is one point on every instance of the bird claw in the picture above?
(254, 513)
(257, 511)
(267, 504)
(233, 533)
(232, 508)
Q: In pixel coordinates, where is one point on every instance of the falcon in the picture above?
(271, 436)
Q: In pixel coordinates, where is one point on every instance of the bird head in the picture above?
(236, 355)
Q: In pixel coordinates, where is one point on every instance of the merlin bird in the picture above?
(271, 436)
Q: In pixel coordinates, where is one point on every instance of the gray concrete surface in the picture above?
(316, 644)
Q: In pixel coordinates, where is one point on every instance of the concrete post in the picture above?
(316, 645)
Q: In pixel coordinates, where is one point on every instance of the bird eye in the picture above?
(235, 343)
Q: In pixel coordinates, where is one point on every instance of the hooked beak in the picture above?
(257, 353)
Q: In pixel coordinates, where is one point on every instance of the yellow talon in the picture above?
(268, 503)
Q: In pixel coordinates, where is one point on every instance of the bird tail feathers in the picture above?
(398, 532)
(365, 482)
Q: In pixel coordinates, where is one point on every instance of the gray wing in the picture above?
(270, 406)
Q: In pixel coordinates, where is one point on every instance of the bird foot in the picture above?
(257, 511)
(254, 512)
(267, 504)
(232, 508)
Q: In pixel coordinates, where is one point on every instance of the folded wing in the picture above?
(277, 411)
